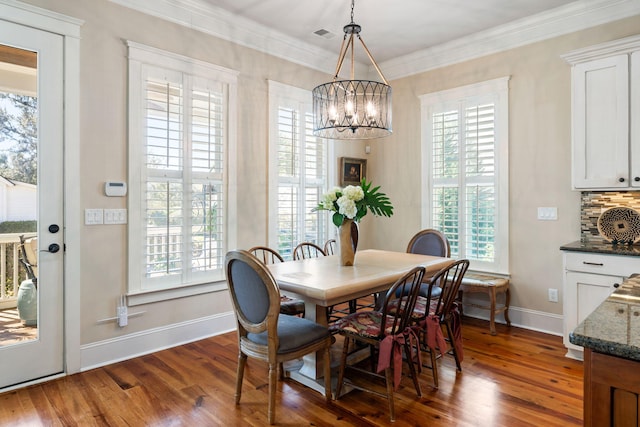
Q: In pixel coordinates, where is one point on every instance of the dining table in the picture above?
(322, 282)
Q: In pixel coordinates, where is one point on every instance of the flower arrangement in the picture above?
(353, 202)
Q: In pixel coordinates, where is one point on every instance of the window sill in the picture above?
(148, 297)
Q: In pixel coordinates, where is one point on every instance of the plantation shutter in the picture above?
(301, 180)
(463, 177)
(184, 159)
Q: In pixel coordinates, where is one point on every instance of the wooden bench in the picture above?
(492, 286)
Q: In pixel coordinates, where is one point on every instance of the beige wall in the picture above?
(539, 153)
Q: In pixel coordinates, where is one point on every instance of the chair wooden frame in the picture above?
(330, 247)
(441, 306)
(403, 293)
(307, 250)
(266, 254)
(271, 352)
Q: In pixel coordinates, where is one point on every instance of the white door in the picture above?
(43, 355)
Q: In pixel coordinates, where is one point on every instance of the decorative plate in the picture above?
(620, 225)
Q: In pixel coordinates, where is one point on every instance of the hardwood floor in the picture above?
(517, 378)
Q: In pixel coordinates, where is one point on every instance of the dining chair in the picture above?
(432, 311)
(429, 242)
(264, 333)
(330, 247)
(307, 250)
(288, 305)
(388, 332)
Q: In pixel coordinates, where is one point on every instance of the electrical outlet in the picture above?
(553, 295)
(123, 318)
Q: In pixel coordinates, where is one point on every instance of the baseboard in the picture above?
(540, 321)
(125, 347)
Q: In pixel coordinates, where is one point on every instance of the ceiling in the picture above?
(404, 36)
(390, 28)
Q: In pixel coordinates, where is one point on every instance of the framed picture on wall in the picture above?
(352, 170)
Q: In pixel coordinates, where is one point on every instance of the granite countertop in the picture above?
(614, 327)
(601, 247)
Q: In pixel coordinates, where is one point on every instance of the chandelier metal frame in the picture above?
(352, 109)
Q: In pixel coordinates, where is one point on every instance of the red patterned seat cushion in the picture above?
(364, 323)
(291, 306)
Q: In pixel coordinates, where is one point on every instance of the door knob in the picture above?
(54, 228)
(54, 247)
(636, 179)
(621, 179)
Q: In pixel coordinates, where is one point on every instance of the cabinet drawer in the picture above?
(617, 265)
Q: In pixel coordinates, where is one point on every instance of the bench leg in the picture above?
(507, 300)
(492, 315)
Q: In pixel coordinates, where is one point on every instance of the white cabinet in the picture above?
(589, 278)
(605, 93)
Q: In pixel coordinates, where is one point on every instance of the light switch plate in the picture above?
(115, 216)
(93, 216)
(548, 214)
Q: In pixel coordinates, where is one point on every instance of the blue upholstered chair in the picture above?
(288, 305)
(264, 333)
(429, 242)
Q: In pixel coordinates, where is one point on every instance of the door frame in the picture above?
(69, 29)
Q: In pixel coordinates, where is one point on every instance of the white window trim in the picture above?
(498, 91)
(138, 56)
(279, 94)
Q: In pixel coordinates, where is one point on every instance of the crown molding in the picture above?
(201, 16)
(603, 50)
(204, 17)
(567, 19)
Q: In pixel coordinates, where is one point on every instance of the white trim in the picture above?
(283, 95)
(72, 208)
(534, 320)
(42, 19)
(215, 21)
(498, 91)
(603, 50)
(69, 28)
(125, 347)
(146, 59)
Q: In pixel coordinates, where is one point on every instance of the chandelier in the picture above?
(352, 109)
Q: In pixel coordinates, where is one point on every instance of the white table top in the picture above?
(324, 282)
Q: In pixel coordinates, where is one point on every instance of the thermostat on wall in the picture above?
(115, 189)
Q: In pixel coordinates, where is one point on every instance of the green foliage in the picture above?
(18, 227)
(372, 200)
(378, 203)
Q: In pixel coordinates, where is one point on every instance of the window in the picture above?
(179, 161)
(298, 171)
(465, 169)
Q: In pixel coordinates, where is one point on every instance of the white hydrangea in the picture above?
(347, 207)
(353, 192)
(327, 199)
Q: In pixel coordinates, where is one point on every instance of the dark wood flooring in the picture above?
(517, 378)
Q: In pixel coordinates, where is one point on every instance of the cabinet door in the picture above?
(635, 123)
(583, 293)
(600, 123)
